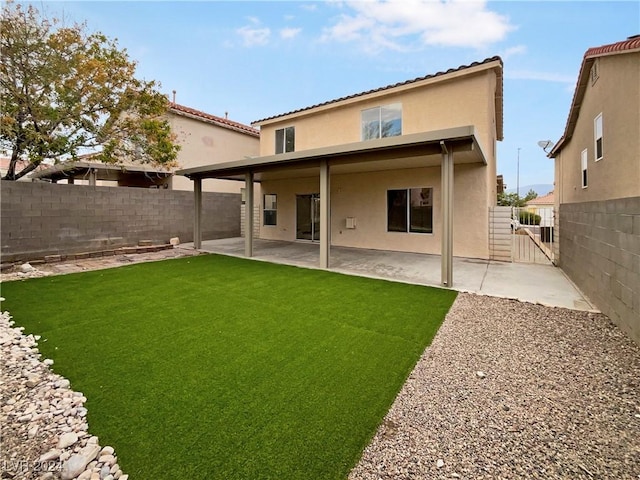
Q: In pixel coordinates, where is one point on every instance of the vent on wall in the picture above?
(595, 74)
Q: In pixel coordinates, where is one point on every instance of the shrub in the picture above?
(529, 218)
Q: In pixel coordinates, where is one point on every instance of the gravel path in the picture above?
(515, 390)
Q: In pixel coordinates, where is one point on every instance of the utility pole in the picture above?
(518, 177)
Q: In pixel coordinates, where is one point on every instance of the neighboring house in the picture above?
(407, 167)
(597, 183)
(206, 139)
(500, 185)
(597, 156)
(203, 138)
(543, 206)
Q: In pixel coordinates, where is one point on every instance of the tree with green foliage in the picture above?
(65, 92)
(514, 200)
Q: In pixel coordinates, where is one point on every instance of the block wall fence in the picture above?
(41, 219)
(600, 252)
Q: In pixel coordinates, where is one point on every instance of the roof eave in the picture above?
(629, 46)
(459, 134)
(487, 64)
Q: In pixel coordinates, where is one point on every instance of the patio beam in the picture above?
(325, 214)
(248, 214)
(197, 214)
(447, 216)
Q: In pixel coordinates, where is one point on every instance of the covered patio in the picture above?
(442, 148)
(544, 284)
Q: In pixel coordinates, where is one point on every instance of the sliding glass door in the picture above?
(308, 217)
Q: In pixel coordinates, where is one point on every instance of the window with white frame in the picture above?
(597, 133)
(410, 210)
(380, 122)
(583, 166)
(270, 209)
(285, 140)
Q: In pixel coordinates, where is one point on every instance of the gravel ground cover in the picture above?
(515, 390)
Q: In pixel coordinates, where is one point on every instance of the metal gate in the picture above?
(532, 232)
(521, 234)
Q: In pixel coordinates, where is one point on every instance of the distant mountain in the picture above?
(540, 188)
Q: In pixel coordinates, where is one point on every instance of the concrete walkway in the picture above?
(544, 284)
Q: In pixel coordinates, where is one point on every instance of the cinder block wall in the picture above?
(41, 219)
(600, 252)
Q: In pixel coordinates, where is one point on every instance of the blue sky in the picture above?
(255, 59)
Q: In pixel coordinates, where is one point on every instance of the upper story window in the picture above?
(285, 140)
(597, 133)
(380, 122)
(583, 166)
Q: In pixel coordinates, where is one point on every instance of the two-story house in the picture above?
(205, 139)
(407, 167)
(597, 183)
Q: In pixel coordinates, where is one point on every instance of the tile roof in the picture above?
(630, 45)
(207, 117)
(543, 200)
(400, 84)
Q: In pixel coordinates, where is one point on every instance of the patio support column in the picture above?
(93, 177)
(248, 215)
(325, 214)
(197, 217)
(447, 216)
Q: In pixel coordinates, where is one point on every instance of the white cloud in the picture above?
(402, 24)
(511, 51)
(539, 76)
(254, 35)
(287, 33)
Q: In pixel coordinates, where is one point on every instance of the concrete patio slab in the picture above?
(535, 283)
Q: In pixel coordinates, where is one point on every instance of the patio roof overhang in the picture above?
(405, 151)
(443, 148)
(138, 175)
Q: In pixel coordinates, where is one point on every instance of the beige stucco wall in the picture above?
(466, 97)
(364, 196)
(432, 104)
(616, 94)
(205, 144)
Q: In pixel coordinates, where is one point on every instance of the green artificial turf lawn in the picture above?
(215, 367)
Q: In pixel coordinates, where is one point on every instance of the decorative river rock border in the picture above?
(44, 431)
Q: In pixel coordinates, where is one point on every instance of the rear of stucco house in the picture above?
(468, 96)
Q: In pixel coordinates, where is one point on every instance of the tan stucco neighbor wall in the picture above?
(616, 94)
(205, 144)
(364, 197)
